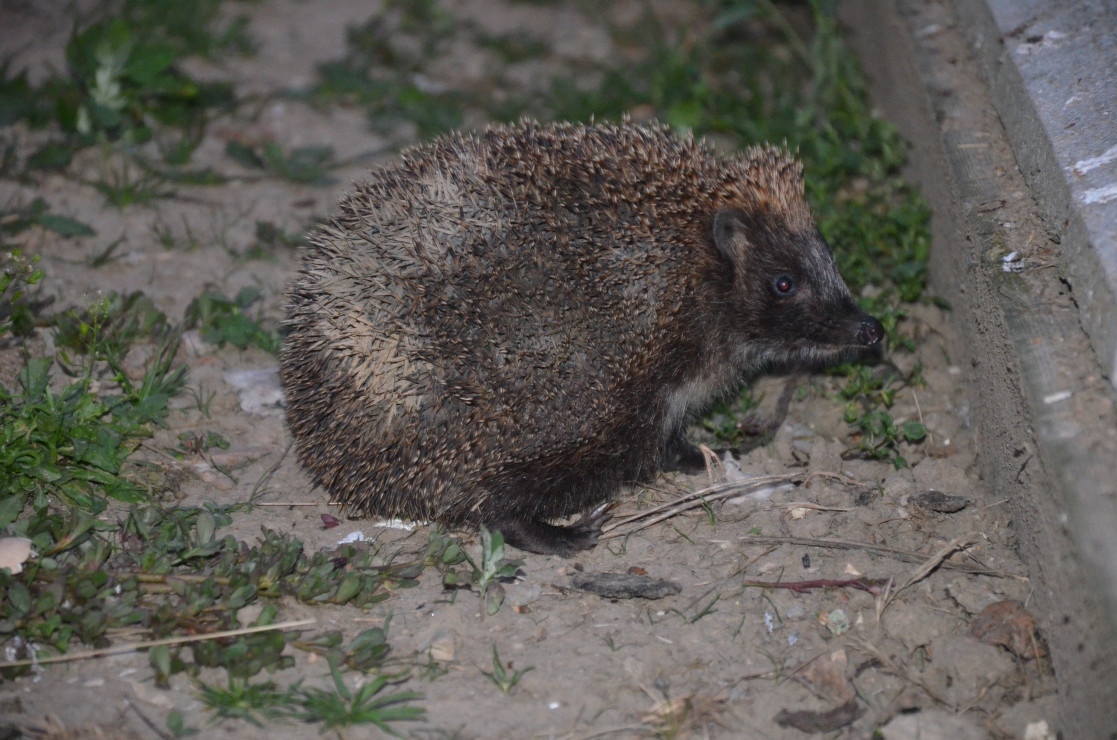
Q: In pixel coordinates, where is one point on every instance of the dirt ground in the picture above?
(717, 659)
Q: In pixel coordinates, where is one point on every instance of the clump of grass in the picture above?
(192, 28)
(224, 320)
(72, 445)
(65, 453)
(505, 678)
(337, 708)
(108, 328)
(868, 396)
(344, 707)
(486, 578)
(123, 185)
(254, 703)
(170, 238)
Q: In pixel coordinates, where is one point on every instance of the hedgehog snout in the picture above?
(870, 332)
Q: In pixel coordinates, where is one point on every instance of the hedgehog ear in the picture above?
(729, 234)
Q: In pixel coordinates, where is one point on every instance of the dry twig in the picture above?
(891, 552)
(939, 558)
(693, 500)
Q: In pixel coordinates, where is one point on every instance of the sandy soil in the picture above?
(717, 659)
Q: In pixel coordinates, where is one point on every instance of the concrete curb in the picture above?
(1051, 70)
(1045, 411)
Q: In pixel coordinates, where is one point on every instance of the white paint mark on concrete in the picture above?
(1056, 397)
(1109, 155)
(1100, 195)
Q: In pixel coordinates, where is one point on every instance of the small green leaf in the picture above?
(20, 598)
(52, 157)
(914, 431)
(452, 579)
(205, 527)
(247, 295)
(176, 724)
(241, 596)
(10, 507)
(64, 225)
(160, 659)
(350, 586)
(373, 637)
(243, 155)
(148, 62)
(494, 597)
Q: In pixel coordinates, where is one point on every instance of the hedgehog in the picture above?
(507, 328)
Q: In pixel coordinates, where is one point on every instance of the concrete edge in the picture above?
(1045, 415)
(1044, 161)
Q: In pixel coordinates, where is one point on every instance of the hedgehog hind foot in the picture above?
(542, 538)
(684, 457)
(680, 454)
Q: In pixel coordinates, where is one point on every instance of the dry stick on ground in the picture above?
(767, 551)
(882, 588)
(870, 585)
(725, 490)
(716, 492)
(118, 649)
(903, 555)
(956, 544)
(634, 730)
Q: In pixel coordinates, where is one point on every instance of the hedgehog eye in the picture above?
(784, 285)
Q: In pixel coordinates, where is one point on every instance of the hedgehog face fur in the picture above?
(504, 329)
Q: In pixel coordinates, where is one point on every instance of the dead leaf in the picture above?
(1008, 624)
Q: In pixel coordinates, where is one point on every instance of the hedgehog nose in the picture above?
(870, 332)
